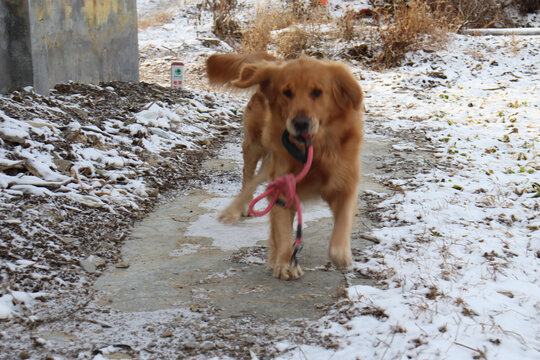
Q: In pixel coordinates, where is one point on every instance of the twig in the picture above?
(88, 128)
(497, 88)
(171, 50)
(16, 165)
(480, 352)
(47, 185)
(97, 322)
(370, 238)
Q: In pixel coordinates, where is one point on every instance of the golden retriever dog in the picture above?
(308, 98)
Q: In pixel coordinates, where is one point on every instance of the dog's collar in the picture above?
(295, 150)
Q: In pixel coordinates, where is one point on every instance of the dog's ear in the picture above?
(346, 90)
(254, 74)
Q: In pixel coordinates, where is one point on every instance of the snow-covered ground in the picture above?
(459, 252)
(458, 261)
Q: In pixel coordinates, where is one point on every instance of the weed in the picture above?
(536, 187)
(291, 29)
(257, 35)
(471, 13)
(409, 25)
(346, 26)
(291, 43)
(223, 12)
(155, 20)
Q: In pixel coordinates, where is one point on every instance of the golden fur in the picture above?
(304, 96)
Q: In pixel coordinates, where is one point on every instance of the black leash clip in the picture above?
(298, 245)
(297, 249)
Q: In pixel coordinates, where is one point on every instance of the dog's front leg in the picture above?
(250, 181)
(281, 232)
(344, 208)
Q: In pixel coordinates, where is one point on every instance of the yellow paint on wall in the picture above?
(98, 12)
(67, 13)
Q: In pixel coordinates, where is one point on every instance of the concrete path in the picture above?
(180, 256)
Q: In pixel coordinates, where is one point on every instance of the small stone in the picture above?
(66, 239)
(167, 334)
(98, 261)
(122, 265)
(91, 263)
(207, 345)
(250, 340)
(190, 345)
(88, 266)
(224, 332)
(152, 192)
(18, 138)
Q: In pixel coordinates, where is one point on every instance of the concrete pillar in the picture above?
(50, 42)
(15, 60)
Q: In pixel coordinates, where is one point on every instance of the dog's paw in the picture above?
(245, 212)
(340, 257)
(287, 272)
(229, 216)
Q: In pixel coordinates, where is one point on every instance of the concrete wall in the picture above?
(15, 64)
(80, 40)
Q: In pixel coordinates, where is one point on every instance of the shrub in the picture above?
(258, 34)
(407, 26)
(296, 20)
(472, 13)
(292, 42)
(527, 6)
(225, 26)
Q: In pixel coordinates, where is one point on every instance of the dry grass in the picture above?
(346, 26)
(292, 27)
(288, 28)
(471, 13)
(257, 36)
(408, 25)
(225, 25)
(412, 25)
(292, 42)
(155, 20)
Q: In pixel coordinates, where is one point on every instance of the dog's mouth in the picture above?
(293, 149)
(302, 128)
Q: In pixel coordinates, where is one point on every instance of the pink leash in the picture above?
(286, 185)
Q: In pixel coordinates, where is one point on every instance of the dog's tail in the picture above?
(224, 68)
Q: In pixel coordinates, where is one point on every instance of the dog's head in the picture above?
(305, 93)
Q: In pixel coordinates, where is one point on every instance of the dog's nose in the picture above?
(301, 124)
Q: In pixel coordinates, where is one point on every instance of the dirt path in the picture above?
(189, 287)
(192, 296)
(170, 266)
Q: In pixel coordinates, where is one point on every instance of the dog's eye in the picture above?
(288, 93)
(315, 93)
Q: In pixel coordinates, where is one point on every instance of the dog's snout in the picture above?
(301, 124)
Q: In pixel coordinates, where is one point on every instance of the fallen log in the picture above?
(501, 32)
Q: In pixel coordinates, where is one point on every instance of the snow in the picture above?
(6, 307)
